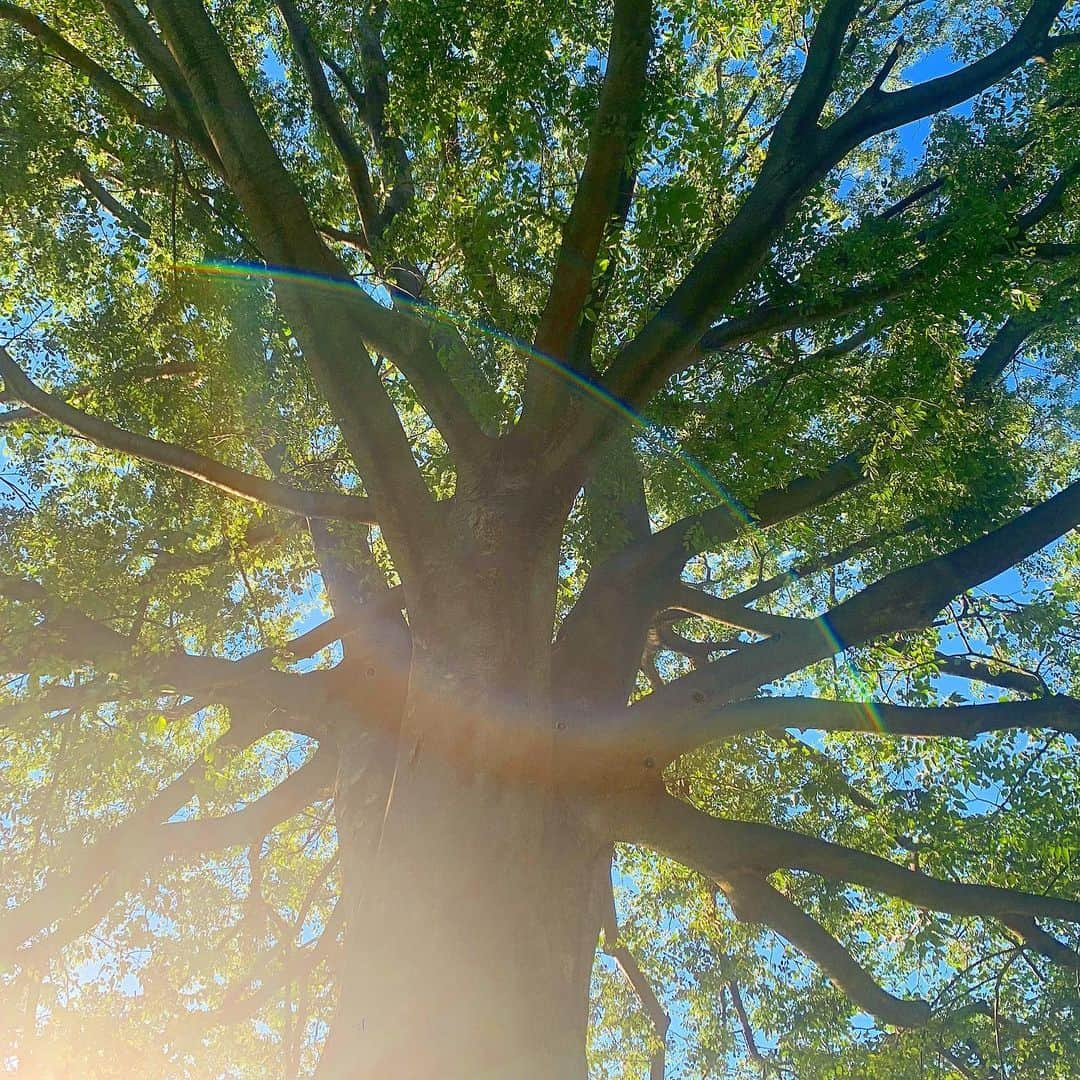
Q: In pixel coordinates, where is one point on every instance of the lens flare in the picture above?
(581, 384)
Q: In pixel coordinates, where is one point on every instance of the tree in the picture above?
(683, 450)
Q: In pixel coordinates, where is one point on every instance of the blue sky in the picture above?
(912, 139)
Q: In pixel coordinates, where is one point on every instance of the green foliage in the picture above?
(119, 315)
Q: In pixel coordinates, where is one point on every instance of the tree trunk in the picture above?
(474, 941)
(470, 879)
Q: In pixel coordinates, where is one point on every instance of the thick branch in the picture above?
(395, 333)
(793, 163)
(654, 562)
(371, 103)
(328, 325)
(630, 587)
(1056, 712)
(139, 34)
(311, 782)
(1034, 937)
(624, 593)
(800, 154)
(68, 633)
(1012, 337)
(722, 523)
(880, 110)
(799, 121)
(360, 599)
(910, 598)
(717, 847)
(316, 504)
(644, 572)
(661, 726)
(414, 343)
(754, 900)
(613, 130)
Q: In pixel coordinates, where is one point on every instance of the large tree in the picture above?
(672, 411)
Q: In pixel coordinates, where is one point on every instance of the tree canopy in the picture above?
(660, 417)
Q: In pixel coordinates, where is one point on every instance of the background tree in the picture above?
(673, 408)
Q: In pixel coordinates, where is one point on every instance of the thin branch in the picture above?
(830, 769)
(257, 534)
(297, 964)
(772, 318)
(628, 965)
(694, 601)
(817, 361)
(770, 585)
(133, 848)
(59, 698)
(955, 1061)
(352, 156)
(698, 652)
(60, 895)
(125, 215)
(923, 191)
(744, 1024)
(1051, 202)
